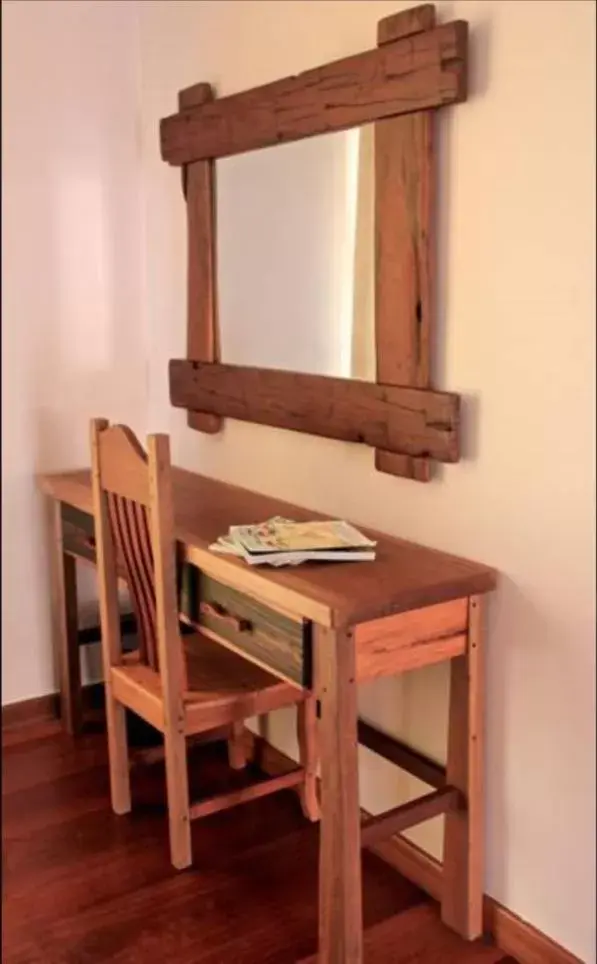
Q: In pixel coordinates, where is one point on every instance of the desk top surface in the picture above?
(404, 575)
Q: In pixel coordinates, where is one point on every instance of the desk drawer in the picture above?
(78, 537)
(272, 639)
(78, 532)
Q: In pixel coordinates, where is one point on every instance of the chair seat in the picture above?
(222, 687)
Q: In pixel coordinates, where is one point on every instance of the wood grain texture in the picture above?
(138, 688)
(64, 603)
(308, 741)
(173, 669)
(418, 655)
(202, 316)
(340, 894)
(418, 935)
(417, 73)
(117, 444)
(192, 96)
(462, 900)
(403, 576)
(272, 639)
(512, 935)
(383, 825)
(397, 419)
(403, 756)
(410, 640)
(245, 795)
(80, 884)
(194, 684)
(404, 245)
(405, 23)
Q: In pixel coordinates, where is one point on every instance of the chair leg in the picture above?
(118, 754)
(462, 901)
(306, 719)
(177, 784)
(237, 756)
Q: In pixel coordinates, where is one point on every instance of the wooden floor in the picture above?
(81, 885)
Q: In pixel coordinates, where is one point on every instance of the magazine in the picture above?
(284, 536)
(283, 542)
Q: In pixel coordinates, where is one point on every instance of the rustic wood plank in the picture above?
(403, 756)
(195, 95)
(200, 193)
(415, 73)
(462, 896)
(384, 825)
(192, 96)
(340, 894)
(404, 269)
(397, 419)
(405, 23)
(63, 583)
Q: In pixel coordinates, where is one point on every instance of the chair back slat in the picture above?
(130, 531)
(124, 464)
(132, 505)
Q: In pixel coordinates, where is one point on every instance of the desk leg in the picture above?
(65, 627)
(462, 901)
(340, 895)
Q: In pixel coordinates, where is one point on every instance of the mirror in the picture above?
(295, 256)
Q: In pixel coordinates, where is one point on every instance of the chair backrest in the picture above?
(133, 511)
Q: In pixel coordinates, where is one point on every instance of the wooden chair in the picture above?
(181, 685)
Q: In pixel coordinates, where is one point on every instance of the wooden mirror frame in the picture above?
(416, 68)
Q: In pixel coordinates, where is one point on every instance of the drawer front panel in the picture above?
(275, 641)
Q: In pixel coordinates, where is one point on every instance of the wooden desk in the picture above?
(338, 625)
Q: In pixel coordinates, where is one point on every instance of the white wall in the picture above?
(516, 338)
(84, 333)
(73, 336)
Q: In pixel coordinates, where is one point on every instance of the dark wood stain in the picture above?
(428, 70)
(82, 885)
(396, 418)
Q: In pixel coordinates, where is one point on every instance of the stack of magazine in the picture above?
(282, 542)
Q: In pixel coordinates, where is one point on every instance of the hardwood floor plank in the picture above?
(419, 935)
(83, 886)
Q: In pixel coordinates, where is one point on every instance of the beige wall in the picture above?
(73, 339)
(516, 336)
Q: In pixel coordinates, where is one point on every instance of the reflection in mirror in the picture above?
(295, 256)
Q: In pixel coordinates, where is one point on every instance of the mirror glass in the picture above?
(295, 256)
